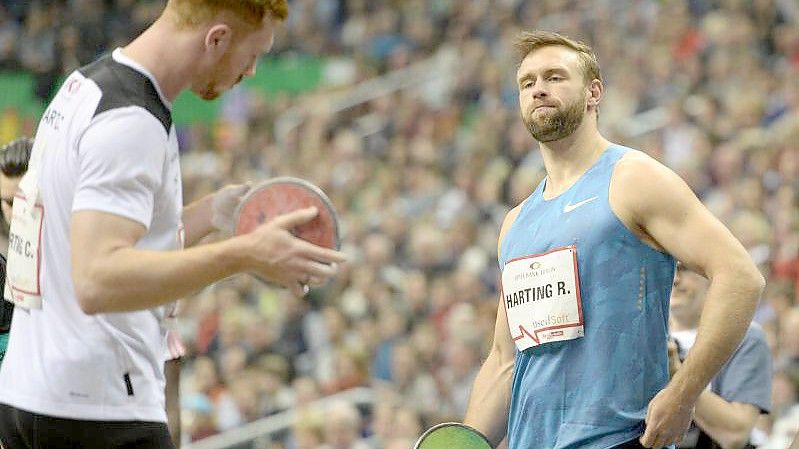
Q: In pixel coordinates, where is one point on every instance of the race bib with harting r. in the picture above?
(23, 286)
(542, 298)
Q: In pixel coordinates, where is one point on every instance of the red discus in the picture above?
(282, 195)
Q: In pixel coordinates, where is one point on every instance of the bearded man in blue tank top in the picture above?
(579, 358)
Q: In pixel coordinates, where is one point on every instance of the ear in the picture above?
(595, 91)
(218, 39)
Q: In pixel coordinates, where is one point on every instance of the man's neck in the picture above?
(567, 159)
(168, 53)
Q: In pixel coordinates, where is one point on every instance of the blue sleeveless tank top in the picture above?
(591, 392)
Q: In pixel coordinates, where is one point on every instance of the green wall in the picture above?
(291, 75)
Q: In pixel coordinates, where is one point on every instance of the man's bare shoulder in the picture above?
(640, 182)
(637, 165)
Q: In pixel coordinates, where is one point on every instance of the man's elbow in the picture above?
(89, 295)
(755, 282)
(746, 278)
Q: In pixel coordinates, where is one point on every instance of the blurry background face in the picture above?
(687, 294)
(8, 187)
(341, 426)
(404, 365)
(553, 100)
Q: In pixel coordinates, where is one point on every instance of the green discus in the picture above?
(451, 435)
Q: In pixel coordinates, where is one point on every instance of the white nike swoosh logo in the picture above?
(570, 207)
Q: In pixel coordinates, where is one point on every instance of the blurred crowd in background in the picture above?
(422, 178)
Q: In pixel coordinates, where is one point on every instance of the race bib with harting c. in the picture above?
(542, 298)
(23, 286)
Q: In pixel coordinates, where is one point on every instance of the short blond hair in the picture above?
(529, 41)
(251, 12)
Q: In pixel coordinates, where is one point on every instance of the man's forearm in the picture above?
(728, 423)
(729, 307)
(131, 279)
(489, 401)
(197, 220)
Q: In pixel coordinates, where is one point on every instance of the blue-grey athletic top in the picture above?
(591, 392)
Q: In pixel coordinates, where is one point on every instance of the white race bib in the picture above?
(23, 286)
(542, 298)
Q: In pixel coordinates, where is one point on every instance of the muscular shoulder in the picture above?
(642, 189)
(638, 179)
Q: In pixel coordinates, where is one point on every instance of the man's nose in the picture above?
(539, 90)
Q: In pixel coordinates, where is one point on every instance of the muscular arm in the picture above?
(666, 211)
(728, 423)
(111, 275)
(489, 401)
(658, 205)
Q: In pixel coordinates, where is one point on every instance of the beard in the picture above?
(557, 124)
(210, 92)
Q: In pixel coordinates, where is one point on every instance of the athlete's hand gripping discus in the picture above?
(282, 195)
